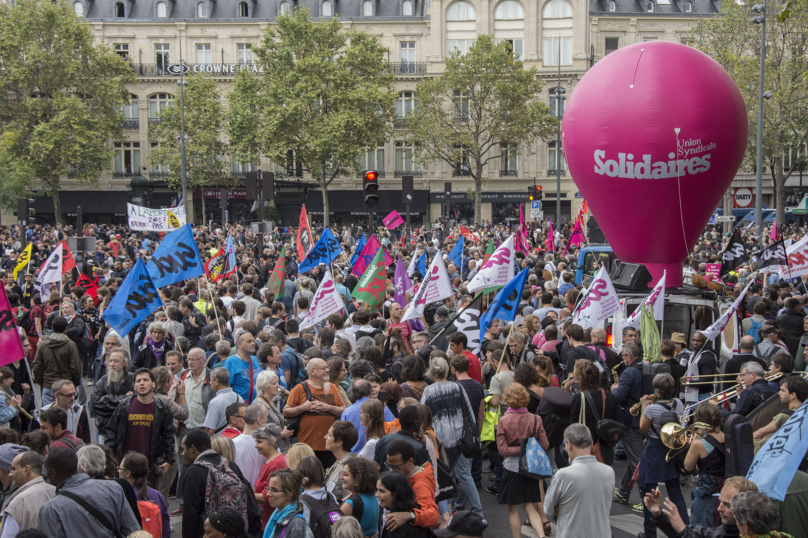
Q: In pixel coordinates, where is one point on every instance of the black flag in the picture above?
(466, 321)
(734, 255)
(774, 256)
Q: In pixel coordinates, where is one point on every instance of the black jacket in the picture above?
(723, 531)
(146, 359)
(161, 447)
(753, 396)
(193, 498)
(105, 398)
(194, 333)
(791, 329)
(441, 343)
(380, 455)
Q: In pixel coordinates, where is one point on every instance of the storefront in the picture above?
(97, 207)
(348, 207)
(238, 207)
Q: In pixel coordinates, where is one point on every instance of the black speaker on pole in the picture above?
(593, 233)
(631, 277)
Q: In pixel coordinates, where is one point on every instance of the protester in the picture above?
(30, 494)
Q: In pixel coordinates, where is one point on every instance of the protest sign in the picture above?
(155, 220)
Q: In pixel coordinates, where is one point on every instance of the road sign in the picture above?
(535, 204)
(536, 213)
(728, 218)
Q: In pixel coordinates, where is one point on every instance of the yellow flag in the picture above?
(173, 221)
(23, 260)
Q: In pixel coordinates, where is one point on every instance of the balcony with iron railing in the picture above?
(407, 68)
(379, 173)
(413, 173)
(119, 175)
(553, 173)
(508, 173)
(131, 125)
(230, 70)
(460, 172)
(155, 121)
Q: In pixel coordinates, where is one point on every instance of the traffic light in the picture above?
(24, 211)
(530, 193)
(370, 186)
(537, 195)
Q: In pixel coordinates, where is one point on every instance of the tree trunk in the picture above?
(478, 196)
(728, 197)
(57, 205)
(204, 214)
(326, 212)
(780, 178)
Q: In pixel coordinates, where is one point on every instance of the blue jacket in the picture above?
(629, 392)
(753, 396)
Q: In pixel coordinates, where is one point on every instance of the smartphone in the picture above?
(382, 396)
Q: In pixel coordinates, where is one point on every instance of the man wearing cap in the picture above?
(463, 523)
(770, 342)
(8, 452)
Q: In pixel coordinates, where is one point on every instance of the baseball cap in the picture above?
(7, 454)
(463, 522)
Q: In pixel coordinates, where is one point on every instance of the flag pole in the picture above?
(215, 310)
(171, 329)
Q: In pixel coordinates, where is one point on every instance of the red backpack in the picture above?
(151, 517)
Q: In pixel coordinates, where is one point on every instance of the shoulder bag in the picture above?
(608, 430)
(470, 444)
(582, 420)
(533, 460)
(293, 424)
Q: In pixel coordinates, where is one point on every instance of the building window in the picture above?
(462, 165)
(157, 103)
(78, 7)
(688, 7)
(557, 9)
(120, 11)
(612, 44)
(241, 169)
(555, 160)
(122, 50)
(372, 159)
(202, 10)
(243, 10)
(367, 8)
(162, 13)
(612, 6)
(405, 105)
(555, 101)
(514, 45)
(408, 56)
(509, 10)
(405, 164)
(406, 8)
(284, 9)
(131, 115)
(156, 170)
(461, 106)
(203, 53)
(325, 9)
(293, 166)
(162, 57)
(127, 159)
(508, 164)
(555, 45)
(244, 51)
(650, 7)
(461, 11)
(460, 45)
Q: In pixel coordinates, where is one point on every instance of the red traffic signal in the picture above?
(534, 192)
(370, 187)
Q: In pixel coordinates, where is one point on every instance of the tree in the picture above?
(15, 176)
(734, 42)
(205, 147)
(62, 95)
(484, 101)
(325, 95)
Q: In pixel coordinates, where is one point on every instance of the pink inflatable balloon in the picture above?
(653, 135)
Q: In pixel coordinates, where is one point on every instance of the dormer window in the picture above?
(367, 8)
(162, 12)
(284, 8)
(326, 9)
(120, 12)
(78, 7)
(650, 7)
(612, 6)
(688, 7)
(243, 10)
(406, 8)
(202, 10)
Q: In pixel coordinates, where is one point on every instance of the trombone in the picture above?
(732, 392)
(685, 380)
(678, 438)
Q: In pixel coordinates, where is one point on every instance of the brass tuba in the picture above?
(677, 438)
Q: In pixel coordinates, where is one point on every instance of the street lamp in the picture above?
(760, 18)
(558, 92)
(183, 171)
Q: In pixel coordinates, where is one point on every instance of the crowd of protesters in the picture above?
(367, 425)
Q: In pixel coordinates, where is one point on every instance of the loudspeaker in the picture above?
(593, 232)
(631, 277)
(407, 192)
(268, 189)
(81, 244)
(250, 182)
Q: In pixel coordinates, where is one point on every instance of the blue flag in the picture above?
(177, 258)
(136, 298)
(358, 251)
(230, 262)
(505, 303)
(420, 265)
(777, 461)
(456, 255)
(325, 251)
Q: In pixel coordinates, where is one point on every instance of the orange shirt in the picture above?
(314, 426)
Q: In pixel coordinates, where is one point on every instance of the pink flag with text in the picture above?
(393, 220)
(368, 253)
(10, 344)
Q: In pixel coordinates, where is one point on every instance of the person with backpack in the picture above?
(320, 507)
(56, 358)
(751, 325)
(287, 520)
(213, 483)
(359, 477)
(770, 342)
(151, 504)
(658, 410)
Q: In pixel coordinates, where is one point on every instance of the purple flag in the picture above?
(371, 248)
(401, 283)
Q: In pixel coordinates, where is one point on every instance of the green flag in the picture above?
(650, 335)
(373, 283)
(275, 284)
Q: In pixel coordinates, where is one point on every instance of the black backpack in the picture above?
(25, 322)
(324, 513)
(555, 409)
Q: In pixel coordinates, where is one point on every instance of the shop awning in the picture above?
(92, 202)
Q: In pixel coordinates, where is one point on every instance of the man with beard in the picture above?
(112, 388)
(111, 341)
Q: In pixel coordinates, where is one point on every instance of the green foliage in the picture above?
(15, 176)
(325, 94)
(734, 42)
(62, 95)
(205, 148)
(270, 213)
(485, 98)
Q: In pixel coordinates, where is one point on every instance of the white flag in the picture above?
(435, 287)
(720, 324)
(497, 271)
(655, 299)
(599, 301)
(52, 270)
(326, 301)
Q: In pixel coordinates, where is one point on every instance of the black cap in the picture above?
(463, 522)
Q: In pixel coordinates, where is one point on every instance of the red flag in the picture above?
(468, 234)
(303, 243)
(68, 262)
(89, 286)
(214, 269)
(10, 344)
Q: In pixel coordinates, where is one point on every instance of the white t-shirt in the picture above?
(369, 450)
(247, 457)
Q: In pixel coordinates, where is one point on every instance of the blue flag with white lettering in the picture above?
(420, 265)
(177, 258)
(456, 255)
(505, 303)
(136, 298)
(325, 251)
(358, 251)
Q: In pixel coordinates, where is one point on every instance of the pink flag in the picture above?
(368, 253)
(774, 234)
(550, 242)
(393, 220)
(576, 238)
(10, 344)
